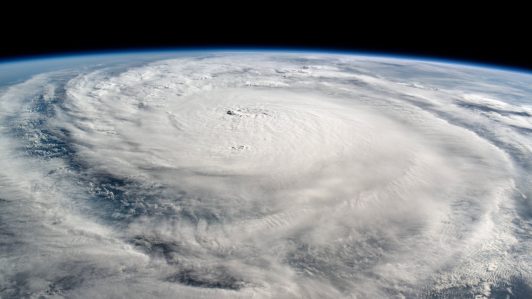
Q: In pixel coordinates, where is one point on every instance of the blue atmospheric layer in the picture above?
(192, 50)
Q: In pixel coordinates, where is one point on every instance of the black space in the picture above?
(501, 38)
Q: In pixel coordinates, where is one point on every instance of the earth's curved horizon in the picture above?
(173, 51)
(217, 173)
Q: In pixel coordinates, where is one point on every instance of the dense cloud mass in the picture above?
(266, 175)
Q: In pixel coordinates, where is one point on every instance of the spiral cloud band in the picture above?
(266, 175)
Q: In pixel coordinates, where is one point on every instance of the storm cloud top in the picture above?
(266, 175)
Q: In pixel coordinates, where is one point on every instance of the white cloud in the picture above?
(261, 175)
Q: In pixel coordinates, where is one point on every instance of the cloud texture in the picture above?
(267, 175)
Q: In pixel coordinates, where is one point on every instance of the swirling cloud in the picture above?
(267, 175)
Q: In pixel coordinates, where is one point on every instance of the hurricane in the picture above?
(265, 174)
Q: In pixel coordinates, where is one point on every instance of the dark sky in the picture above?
(492, 39)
